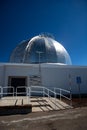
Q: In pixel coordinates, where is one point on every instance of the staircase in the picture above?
(38, 103)
(45, 99)
(47, 104)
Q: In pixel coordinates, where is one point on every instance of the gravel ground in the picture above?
(70, 119)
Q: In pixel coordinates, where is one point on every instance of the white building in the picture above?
(43, 61)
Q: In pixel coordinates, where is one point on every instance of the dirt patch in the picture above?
(77, 102)
(71, 119)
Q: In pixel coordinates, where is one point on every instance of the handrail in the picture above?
(5, 93)
(62, 95)
(49, 90)
(43, 91)
(26, 92)
(63, 90)
(36, 89)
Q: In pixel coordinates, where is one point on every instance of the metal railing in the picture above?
(44, 92)
(35, 91)
(64, 93)
(48, 92)
(8, 90)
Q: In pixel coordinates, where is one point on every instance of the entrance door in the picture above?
(18, 82)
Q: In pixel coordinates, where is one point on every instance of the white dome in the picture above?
(41, 49)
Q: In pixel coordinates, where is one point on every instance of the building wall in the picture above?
(14, 70)
(1, 75)
(65, 77)
(61, 76)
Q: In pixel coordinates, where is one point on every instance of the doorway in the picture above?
(17, 82)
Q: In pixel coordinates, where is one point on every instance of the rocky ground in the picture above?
(70, 119)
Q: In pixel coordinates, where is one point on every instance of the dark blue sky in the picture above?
(65, 19)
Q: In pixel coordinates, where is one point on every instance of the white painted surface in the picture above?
(53, 75)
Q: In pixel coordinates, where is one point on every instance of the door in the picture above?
(18, 82)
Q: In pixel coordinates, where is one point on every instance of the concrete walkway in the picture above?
(38, 103)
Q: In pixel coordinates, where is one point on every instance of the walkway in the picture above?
(38, 103)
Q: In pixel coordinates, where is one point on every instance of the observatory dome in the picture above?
(40, 49)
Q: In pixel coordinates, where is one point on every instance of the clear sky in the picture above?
(66, 20)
